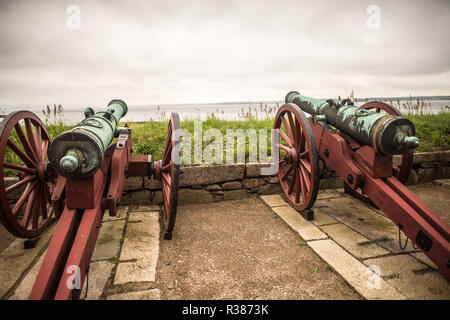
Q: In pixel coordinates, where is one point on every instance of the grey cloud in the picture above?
(145, 51)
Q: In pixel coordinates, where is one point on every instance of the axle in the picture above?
(387, 134)
(78, 153)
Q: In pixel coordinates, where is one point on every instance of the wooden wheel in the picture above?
(25, 203)
(298, 172)
(167, 171)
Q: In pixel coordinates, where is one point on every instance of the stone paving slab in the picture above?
(152, 207)
(23, 290)
(367, 221)
(108, 242)
(273, 200)
(354, 272)
(15, 260)
(443, 182)
(321, 218)
(99, 273)
(304, 228)
(140, 249)
(153, 294)
(121, 214)
(328, 193)
(411, 277)
(424, 259)
(358, 245)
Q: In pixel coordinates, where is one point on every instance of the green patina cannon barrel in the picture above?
(386, 133)
(79, 152)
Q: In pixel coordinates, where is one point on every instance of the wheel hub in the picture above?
(292, 157)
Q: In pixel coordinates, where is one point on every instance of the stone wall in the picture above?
(206, 184)
(237, 181)
(428, 166)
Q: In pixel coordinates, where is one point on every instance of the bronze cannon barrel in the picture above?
(386, 133)
(79, 152)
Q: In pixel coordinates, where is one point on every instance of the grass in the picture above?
(114, 260)
(302, 243)
(433, 131)
(149, 137)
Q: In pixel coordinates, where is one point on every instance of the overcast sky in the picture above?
(157, 52)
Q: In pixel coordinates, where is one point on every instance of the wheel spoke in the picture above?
(288, 129)
(25, 158)
(294, 179)
(44, 204)
(304, 153)
(305, 165)
(20, 168)
(167, 167)
(287, 172)
(38, 141)
(31, 137)
(166, 211)
(167, 180)
(23, 197)
(166, 201)
(167, 155)
(168, 140)
(283, 147)
(303, 188)
(297, 191)
(284, 136)
(299, 133)
(293, 128)
(25, 144)
(28, 208)
(35, 211)
(45, 149)
(306, 178)
(17, 185)
(301, 144)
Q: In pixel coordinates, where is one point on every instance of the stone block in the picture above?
(254, 169)
(204, 175)
(254, 183)
(360, 277)
(232, 185)
(304, 228)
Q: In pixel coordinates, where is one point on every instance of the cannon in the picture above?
(74, 180)
(358, 143)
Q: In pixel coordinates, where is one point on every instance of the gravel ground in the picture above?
(436, 197)
(241, 250)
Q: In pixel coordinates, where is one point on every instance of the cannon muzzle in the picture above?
(78, 153)
(387, 134)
